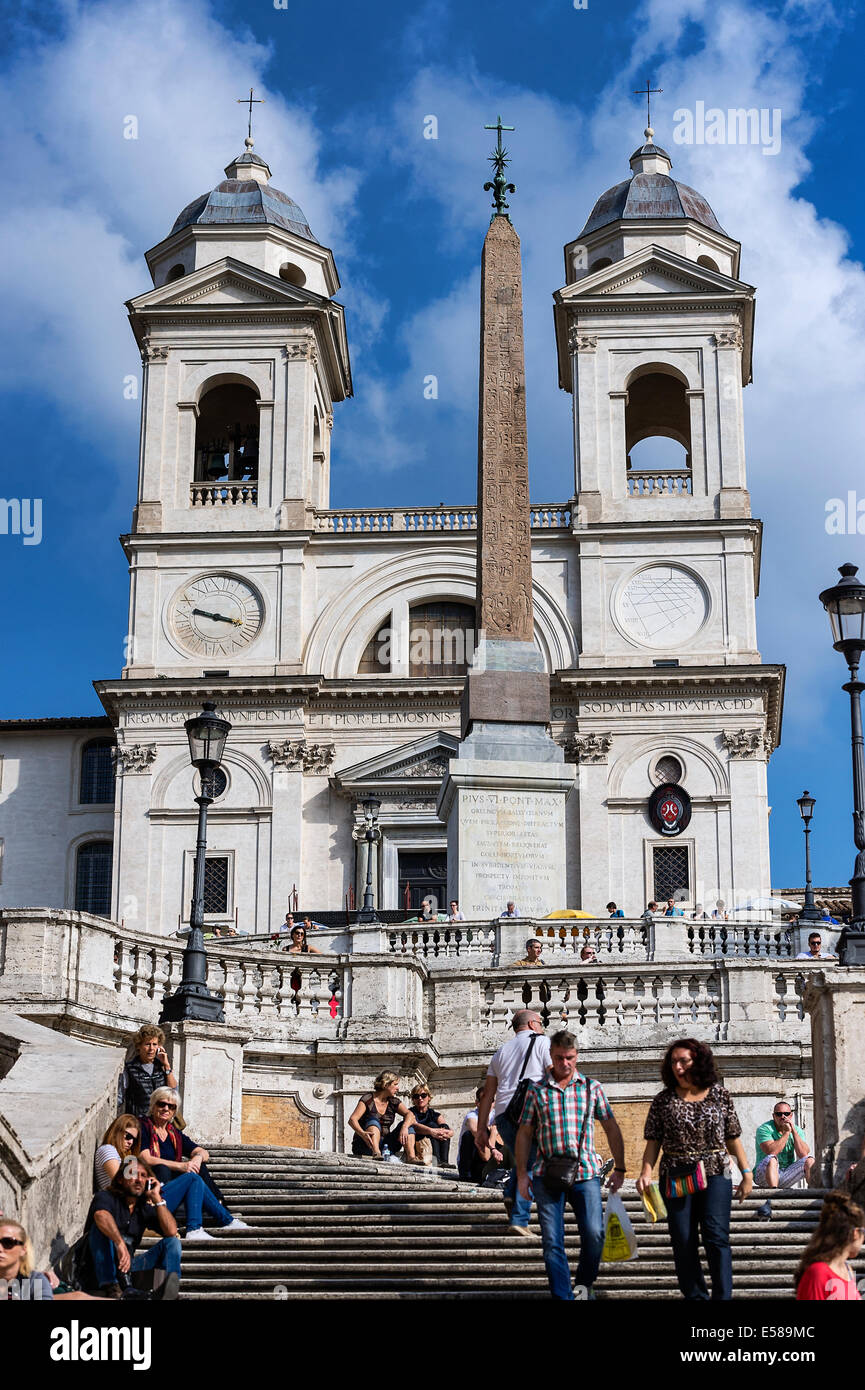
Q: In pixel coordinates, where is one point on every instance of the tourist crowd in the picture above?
(531, 1130)
(534, 1124)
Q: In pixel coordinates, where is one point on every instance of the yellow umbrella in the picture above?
(569, 912)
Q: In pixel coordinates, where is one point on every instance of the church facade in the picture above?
(336, 640)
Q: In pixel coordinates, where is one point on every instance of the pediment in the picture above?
(226, 281)
(652, 270)
(422, 763)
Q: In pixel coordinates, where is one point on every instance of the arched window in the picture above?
(657, 424)
(441, 638)
(226, 435)
(176, 272)
(93, 878)
(376, 657)
(600, 264)
(97, 772)
(707, 262)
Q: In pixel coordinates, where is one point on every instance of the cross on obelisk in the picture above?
(499, 184)
(250, 101)
(649, 93)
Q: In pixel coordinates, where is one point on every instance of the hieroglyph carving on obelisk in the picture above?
(504, 572)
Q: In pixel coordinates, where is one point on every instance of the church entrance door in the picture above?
(423, 874)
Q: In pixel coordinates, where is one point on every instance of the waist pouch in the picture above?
(685, 1178)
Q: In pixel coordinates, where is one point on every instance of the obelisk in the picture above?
(504, 795)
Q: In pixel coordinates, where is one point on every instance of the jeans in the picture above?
(190, 1189)
(588, 1207)
(522, 1209)
(705, 1214)
(387, 1142)
(164, 1255)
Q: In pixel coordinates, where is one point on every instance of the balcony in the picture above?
(223, 494)
(383, 521)
(647, 483)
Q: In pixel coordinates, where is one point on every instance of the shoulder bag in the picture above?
(517, 1100)
(560, 1174)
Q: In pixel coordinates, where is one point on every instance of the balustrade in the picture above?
(646, 483)
(605, 999)
(224, 494)
(358, 521)
(738, 939)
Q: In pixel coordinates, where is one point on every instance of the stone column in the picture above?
(208, 1064)
(835, 999)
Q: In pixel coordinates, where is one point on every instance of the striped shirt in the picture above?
(557, 1116)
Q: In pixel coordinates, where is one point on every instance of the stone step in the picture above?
(334, 1227)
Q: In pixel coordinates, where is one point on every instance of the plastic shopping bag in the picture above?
(653, 1203)
(620, 1243)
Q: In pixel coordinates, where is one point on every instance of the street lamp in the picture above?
(845, 604)
(809, 912)
(207, 734)
(371, 807)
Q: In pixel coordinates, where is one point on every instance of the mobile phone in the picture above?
(149, 1185)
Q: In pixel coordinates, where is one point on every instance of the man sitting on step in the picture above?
(783, 1155)
(116, 1222)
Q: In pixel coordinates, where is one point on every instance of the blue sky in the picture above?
(347, 90)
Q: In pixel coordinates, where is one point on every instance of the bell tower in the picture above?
(654, 332)
(244, 354)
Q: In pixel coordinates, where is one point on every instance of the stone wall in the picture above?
(56, 1101)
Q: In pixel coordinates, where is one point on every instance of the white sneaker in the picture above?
(199, 1234)
(236, 1225)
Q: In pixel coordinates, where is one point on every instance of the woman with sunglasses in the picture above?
(824, 1271)
(16, 1264)
(300, 945)
(428, 1125)
(121, 1140)
(178, 1162)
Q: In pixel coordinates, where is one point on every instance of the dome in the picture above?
(245, 198)
(649, 194)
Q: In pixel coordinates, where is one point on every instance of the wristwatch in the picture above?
(743, 1171)
(158, 1204)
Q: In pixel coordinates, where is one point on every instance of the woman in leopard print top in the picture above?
(693, 1120)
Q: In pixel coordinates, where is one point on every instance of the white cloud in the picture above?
(88, 201)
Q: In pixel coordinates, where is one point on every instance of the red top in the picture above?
(821, 1282)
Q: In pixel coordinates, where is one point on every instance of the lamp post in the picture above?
(809, 912)
(207, 734)
(845, 604)
(371, 808)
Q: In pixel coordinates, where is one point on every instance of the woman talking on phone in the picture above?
(145, 1072)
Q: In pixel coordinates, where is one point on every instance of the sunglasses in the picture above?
(165, 1105)
(131, 1137)
(421, 1095)
(8, 1243)
(783, 1114)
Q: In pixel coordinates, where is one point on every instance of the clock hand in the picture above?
(217, 617)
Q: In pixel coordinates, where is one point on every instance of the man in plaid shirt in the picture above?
(559, 1115)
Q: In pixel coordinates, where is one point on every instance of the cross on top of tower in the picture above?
(250, 101)
(649, 92)
(499, 184)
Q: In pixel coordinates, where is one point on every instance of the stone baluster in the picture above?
(284, 1005)
(124, 969)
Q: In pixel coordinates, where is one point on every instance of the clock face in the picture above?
(662, 606)
(216, 615)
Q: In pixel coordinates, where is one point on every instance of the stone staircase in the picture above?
(332, 1226)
